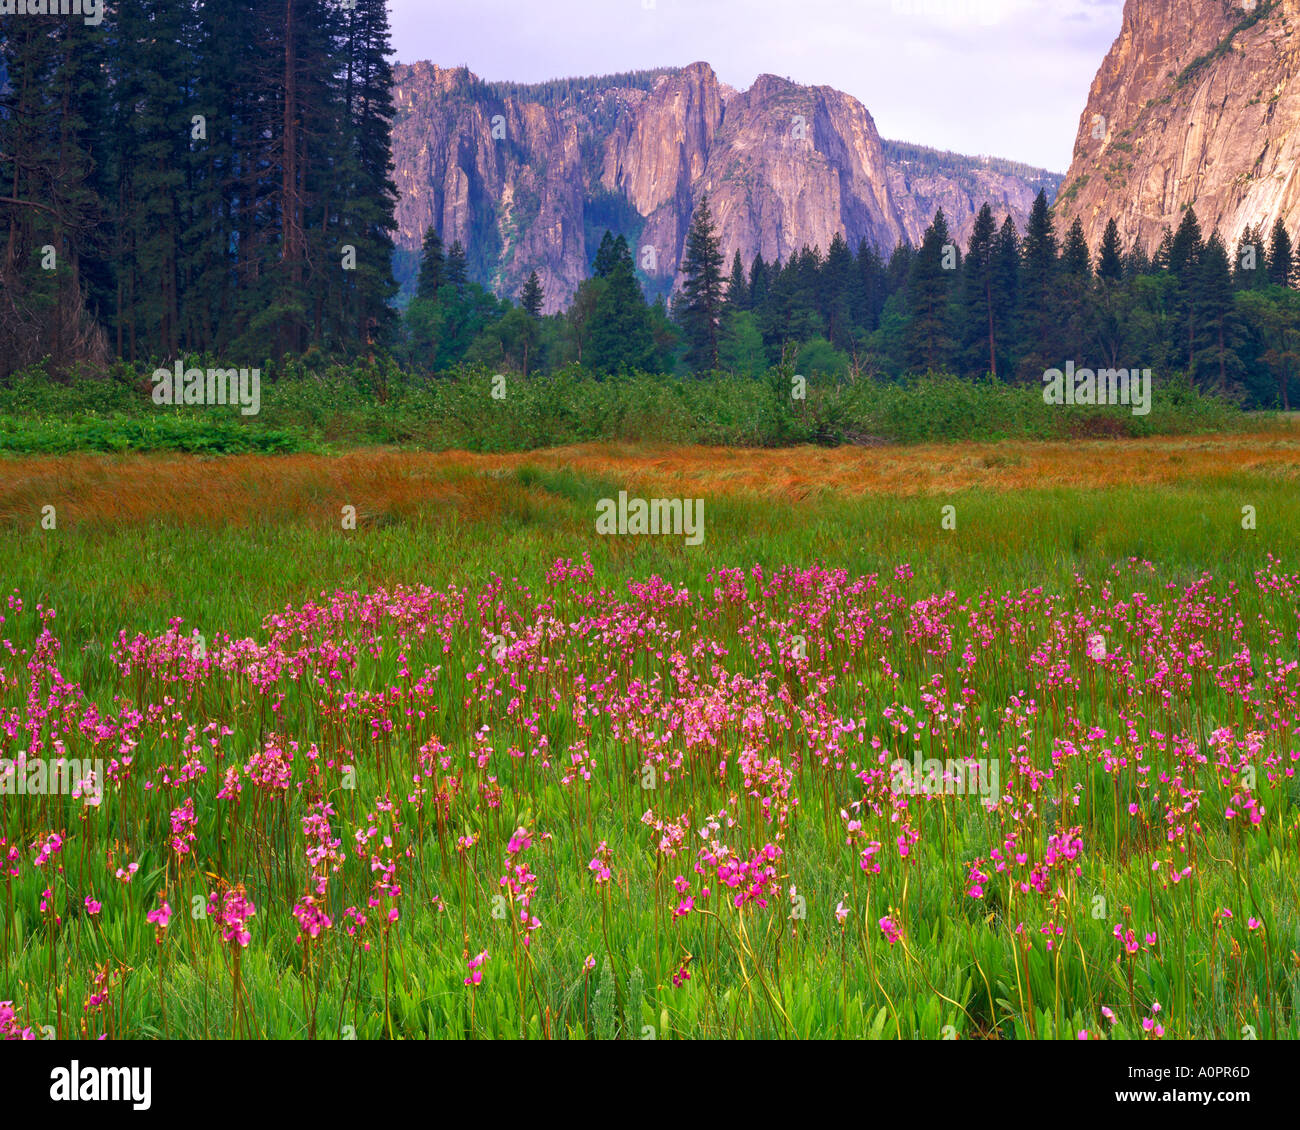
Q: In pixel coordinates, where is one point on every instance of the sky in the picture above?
(1003, 78)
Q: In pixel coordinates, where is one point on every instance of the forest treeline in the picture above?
(215, 179)
(208, 176)
(1010, 304)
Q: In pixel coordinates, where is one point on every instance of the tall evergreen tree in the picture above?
(757, 292)
(980, 297)
(621, 336)
(52, 131)
(1137, 262)
(703, 298)
(532, 296)
(357, 201)
(1184, 263)
(606, 256)
(1163, 255)
(929, 290)
(870, 291)
(838, 281)
(1076, 259)
(1040, 342)
(1110, 259)
(1250, 266)
(1006, 290)
(737, 287)
(457, 275)
(1281, 256)
(1217, 364)
(432, 265)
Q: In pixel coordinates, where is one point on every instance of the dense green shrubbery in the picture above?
(380, 404)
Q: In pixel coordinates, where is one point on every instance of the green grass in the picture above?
(962, 971)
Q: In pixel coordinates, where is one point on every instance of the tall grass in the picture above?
(753, 651)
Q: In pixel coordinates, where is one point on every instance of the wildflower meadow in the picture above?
(791, 782)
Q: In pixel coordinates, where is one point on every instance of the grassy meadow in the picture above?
(470, 770)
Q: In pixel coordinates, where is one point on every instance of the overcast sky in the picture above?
(1007, 78)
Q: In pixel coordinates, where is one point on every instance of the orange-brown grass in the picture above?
(131, 490)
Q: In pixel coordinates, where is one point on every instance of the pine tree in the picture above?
(457, 274)
(1184, 262)
(979, 297)
(620, 334)
(737, 287)
(532, 296)
(1076, 259)
(52, 137)
(1110, 259)
(605, 257)
(153, 127)
(1281, 257)
(355, 203)
(1137, 263)
(1250, 267)
(838, 282)
(1186, 246)
(929, 289)
(1107, 322)
(1040, 343)
(1215, 316)
(432, 266)
(1006, 290)
(789, 312)
(1164, 251)
(870, 291)
(1076, 284)
(702, 305)
(757, 293)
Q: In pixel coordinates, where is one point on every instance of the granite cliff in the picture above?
(529, 177)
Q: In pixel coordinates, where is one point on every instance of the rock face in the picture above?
(528, 178)
(1196, 104)
(504, 177)
(925, 180)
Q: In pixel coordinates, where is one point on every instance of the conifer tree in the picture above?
(1110, 259)
(930, 285)
(1040, 343)
(432, 266)
(737, 287)
(1076, 259)
(1217, 363)
(1281, 256)
(979, 297)
(457, 273)
(606, 257)
(532, 296)
(1250, 266)
(757, 293)
(620, 335)
(702, 301)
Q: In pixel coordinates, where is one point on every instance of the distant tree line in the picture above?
(195, 176)
(1010, 304)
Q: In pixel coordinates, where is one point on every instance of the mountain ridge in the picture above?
(785, 165)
